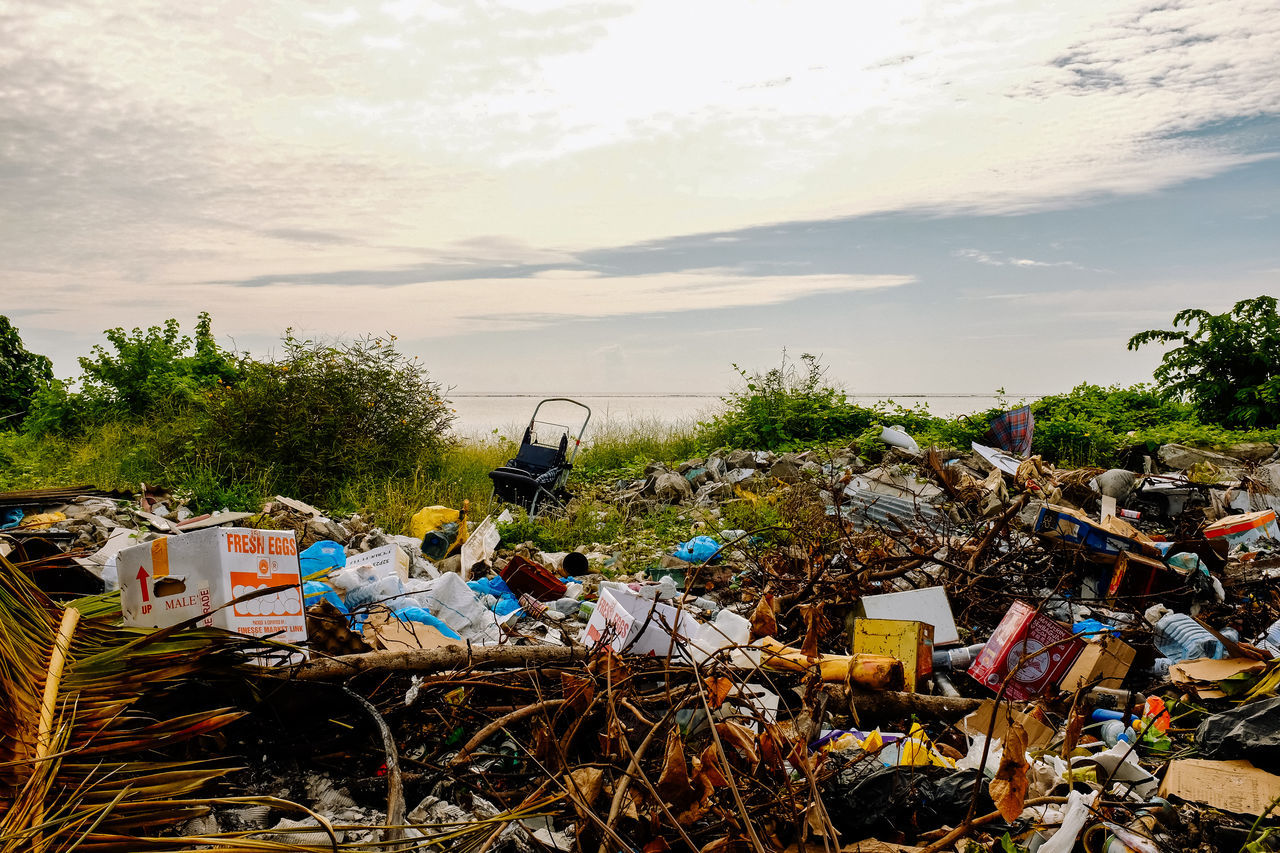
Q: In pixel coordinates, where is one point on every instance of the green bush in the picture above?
(786, 407)
(23, 374)
(1228, 368)
(322, 413)
(156, 370)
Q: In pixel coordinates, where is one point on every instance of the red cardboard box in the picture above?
(1022, 633)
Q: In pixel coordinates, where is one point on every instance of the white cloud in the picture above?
(149, 130)
(1000, 259)
(440, 308)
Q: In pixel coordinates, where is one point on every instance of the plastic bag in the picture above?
(316, 562)
(699, 549)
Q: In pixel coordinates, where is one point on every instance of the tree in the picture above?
(22, 374)
(157, 368)
(1227, 367)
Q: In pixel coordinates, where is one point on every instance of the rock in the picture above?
(741, 459)
(686, 467)
(785, 470)
(698, 477)
(738, 475)
(1183, 458)
(654, 468)
(1251, 451)
(450, 564)
(849, 460)
(672, 488)
(1116, 483)
(717, 466)
(713, 493)
(765, 459)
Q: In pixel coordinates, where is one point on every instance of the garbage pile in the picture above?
(932, 650)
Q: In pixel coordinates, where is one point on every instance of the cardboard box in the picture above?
(928, 605)
(1039, 735)
(175, 578)
(638, 626)
(1232, 786)
(1048, 647)
(1138, 575)
(1101, 663)
(384, 560)
(1060, 523)
(908, 641)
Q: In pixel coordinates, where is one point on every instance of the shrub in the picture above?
(156, 370)
(23, 374)
(322, 413)
(1228, 368)
(785, 407)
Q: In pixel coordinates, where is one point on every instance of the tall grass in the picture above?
(626, 445)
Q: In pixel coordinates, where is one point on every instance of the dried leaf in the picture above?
(657, 845)
(1009, 787)
(726, 845)
(764, 622)
(740, 738)
(710, 766)
(585, 784)
(1075, 727)
(718, 689)
(578, 693)
(673, 785)
(814, 625)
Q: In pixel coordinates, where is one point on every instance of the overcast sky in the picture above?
(949, 197)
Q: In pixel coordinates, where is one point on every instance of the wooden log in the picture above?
(888, 705)
(436, 660)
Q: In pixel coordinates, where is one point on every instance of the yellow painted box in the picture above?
(908, 641)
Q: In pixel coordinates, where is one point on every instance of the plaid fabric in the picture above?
(1012, 431)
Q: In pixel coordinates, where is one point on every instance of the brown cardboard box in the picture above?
(1103, 663)
(1233, 786)
(1039, 735)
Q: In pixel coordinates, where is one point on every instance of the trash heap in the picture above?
(931, 650)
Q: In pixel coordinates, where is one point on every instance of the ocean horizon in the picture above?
(481, 413)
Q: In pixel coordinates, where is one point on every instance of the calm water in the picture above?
(481, 414)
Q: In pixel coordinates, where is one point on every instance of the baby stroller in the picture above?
(538, 472)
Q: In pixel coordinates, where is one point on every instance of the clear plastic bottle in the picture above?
(1179, 638)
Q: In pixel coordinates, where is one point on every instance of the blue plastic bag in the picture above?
(495, 586)
(418, 614)
(315, 591)
(10, 517)
(699, 549)
(317, 560)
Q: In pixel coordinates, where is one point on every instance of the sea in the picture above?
(505, 414)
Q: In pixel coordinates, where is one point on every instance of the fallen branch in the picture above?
(436, 660)
(888, 704)
(497, 725)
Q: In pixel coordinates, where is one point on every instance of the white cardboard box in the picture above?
(175, 578)
(384, 560)
(929, 605)
(634, 631)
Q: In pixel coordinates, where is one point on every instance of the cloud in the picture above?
(164, 140)
(465, 306)
(1000, 259)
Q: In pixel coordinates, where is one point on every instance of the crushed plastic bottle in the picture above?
(1179, 638)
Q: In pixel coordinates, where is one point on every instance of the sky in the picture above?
(633, 197)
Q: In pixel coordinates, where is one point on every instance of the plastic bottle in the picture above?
(1114, 731)
(957, 659)
(1179, 638)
